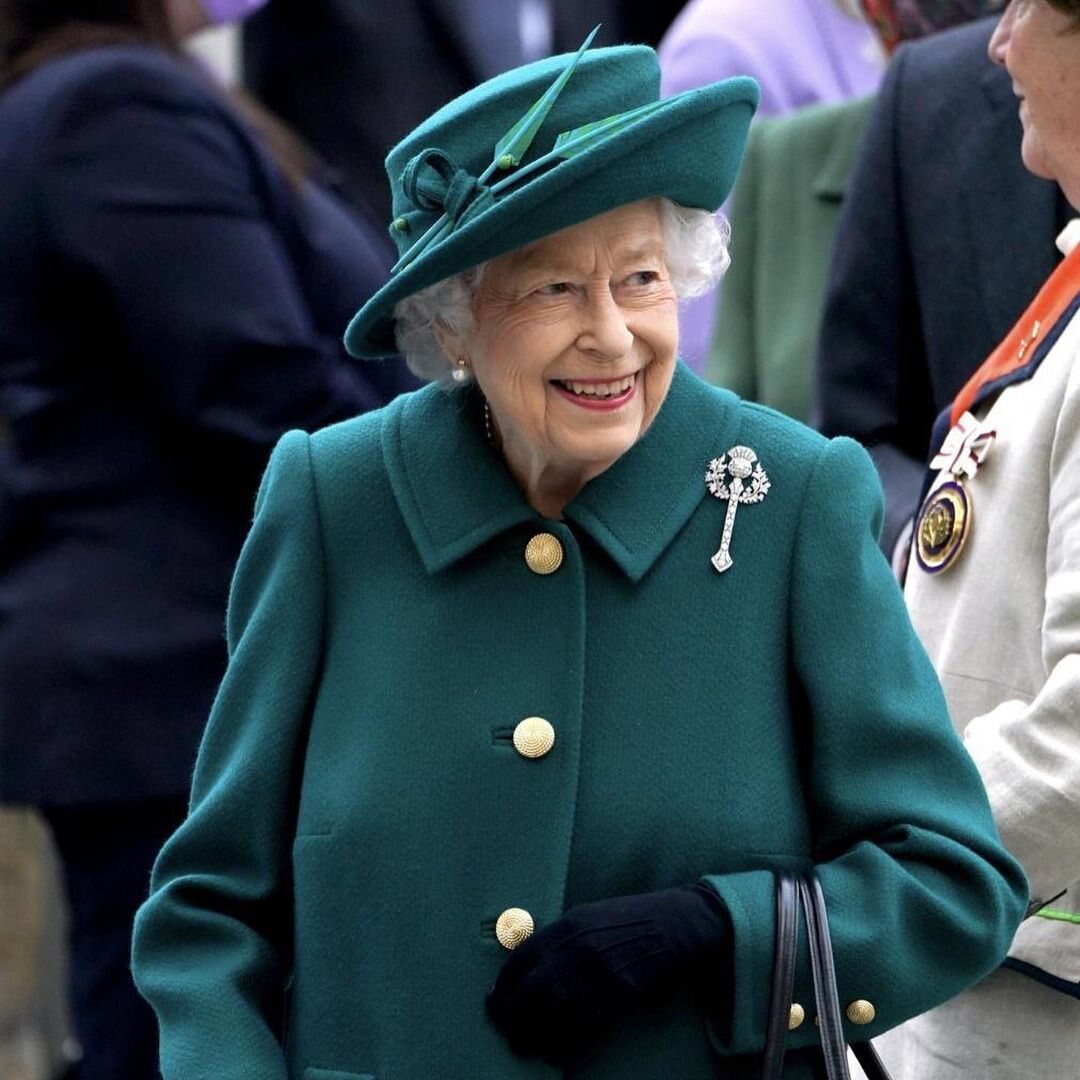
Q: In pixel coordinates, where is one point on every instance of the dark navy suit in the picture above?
(943, 241)
(169, 305)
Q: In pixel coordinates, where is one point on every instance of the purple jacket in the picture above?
(800, 51)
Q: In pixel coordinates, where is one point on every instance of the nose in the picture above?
(604, 331)
(999, 39)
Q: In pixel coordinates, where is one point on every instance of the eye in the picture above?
(644, 277)
(555, 288)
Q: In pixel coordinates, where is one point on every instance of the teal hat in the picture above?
(543, 147)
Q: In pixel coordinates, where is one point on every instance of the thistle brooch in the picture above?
(738, 477)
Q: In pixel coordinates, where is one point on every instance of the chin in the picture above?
(1035, 160)
(605, 450)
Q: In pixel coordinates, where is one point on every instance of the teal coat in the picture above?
(360, 817)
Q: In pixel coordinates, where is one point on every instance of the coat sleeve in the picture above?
(732, 360)
(212, 948)
(169, 233)
(923, 900)
(871, 378)
(1029, 752)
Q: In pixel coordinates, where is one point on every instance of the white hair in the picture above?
(695, 250)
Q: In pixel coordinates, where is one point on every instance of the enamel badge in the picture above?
(738, 477)
(944, 522)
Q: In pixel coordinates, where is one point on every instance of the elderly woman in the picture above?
(993, 590)
(539, 675)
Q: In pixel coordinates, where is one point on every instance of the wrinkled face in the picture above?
(575, 340)
(1039, 47)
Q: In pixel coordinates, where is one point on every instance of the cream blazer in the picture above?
(1002, 627)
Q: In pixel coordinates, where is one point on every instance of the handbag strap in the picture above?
(783, 981)
(833, 1044)
(872, 1065)
(791, 892)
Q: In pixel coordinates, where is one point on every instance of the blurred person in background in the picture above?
(172, 294)
(787, 204)
(801, 52)
(943, 239)
(993, 587)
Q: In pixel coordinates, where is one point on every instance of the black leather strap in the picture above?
(790, 893)
(787, 922)
(872, 1065)
(831, 1024)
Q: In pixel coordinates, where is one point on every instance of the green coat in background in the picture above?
(784, 215)
(360, 816)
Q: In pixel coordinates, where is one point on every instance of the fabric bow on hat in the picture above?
(432, 181)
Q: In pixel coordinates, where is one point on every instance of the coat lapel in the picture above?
(455, 493)
(452, 488)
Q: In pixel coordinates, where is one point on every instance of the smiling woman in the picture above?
(483, 787)
(573, 342)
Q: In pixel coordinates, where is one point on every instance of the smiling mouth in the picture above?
(594, 388)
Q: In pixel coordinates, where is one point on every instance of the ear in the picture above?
(451, 342)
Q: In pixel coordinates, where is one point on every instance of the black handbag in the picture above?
(791, 891)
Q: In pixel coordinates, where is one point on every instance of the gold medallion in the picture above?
(943, 527)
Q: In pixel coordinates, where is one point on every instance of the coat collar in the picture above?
(455, 493)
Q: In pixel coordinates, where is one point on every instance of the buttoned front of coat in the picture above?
(361, 816)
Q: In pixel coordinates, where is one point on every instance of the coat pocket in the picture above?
(335, 1074)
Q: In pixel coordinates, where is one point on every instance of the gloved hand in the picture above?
(571, 979)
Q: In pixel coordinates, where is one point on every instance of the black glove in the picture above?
(571, 979)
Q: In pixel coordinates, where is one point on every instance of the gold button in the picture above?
(533, 737)
(796, 1016)
(861, 1012)
(543, 554)
(513, 926)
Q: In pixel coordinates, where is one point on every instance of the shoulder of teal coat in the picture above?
(834, 476)
(351, 443)
(780, 440)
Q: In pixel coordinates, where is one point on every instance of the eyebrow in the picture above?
(530, 260)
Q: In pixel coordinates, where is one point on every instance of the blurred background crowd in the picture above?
(191, 236)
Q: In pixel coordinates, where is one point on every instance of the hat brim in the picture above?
(687, 151)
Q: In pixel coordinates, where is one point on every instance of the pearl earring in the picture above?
(461, 372)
